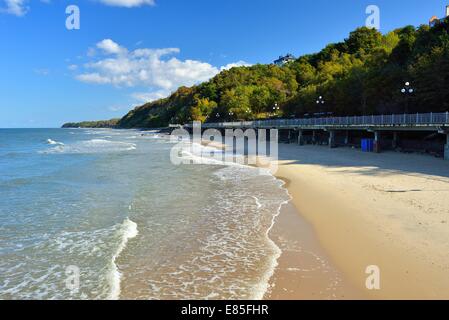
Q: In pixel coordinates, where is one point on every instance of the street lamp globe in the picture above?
(320, 100)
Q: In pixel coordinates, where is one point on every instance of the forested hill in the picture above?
(364, 74)
(92, 124)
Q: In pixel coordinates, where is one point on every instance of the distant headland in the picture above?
(92, 124)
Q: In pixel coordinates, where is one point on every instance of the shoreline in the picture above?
(302, 270)
(388, 210)
(353, 210)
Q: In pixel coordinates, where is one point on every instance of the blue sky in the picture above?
(129, 51)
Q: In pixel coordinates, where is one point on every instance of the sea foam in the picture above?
(52, 142)
(237, 174)
(127, 230)
(90, 146)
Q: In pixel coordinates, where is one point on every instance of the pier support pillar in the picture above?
(347, 137)
(395, 140)
(332, 142)
(313, 137)
(446, 147)
(377, 142)
(300, 138)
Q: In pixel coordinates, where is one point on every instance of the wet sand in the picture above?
(305, 271)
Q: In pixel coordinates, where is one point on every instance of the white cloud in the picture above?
(72, 67)
(15, 7)
(93, 78)
(144, 67)
(235, 64)
(128, 3)
(110, 47)
(156, 69)
(145, 97)
(19, 8)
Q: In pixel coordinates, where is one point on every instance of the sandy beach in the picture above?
(351, 210)
(305, 271)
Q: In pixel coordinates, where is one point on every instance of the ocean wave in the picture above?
(199, 154)
(94, 251)
(128, 230)
(270, 204)
(52, 142)
(264, 285)
(207, 155)
(238, 174)
(227, 254)
(92, 146)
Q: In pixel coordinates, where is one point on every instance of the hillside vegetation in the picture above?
(364, 74)
(92, 124)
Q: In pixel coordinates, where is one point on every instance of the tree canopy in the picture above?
(363, 74)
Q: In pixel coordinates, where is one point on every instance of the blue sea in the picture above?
(104, 214)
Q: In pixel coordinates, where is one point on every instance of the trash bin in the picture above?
(367, 145)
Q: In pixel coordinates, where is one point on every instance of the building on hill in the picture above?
(283, 60)
(435, 20)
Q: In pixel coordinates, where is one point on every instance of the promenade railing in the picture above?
(417, 119)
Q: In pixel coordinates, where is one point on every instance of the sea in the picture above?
(106, 214)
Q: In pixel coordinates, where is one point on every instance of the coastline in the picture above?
(388, 210)
(302, 270)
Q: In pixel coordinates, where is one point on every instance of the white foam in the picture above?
(209, 155)
(52, 142)
(262, 288)
(199, 155)
(128, 231)
(264, 284)
(258, 204)
(91, 146)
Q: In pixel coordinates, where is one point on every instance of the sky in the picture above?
(128, 52)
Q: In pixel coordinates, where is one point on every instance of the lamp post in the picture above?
(248, 112)
(407, 91)
(276, 109)
(320, 102)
